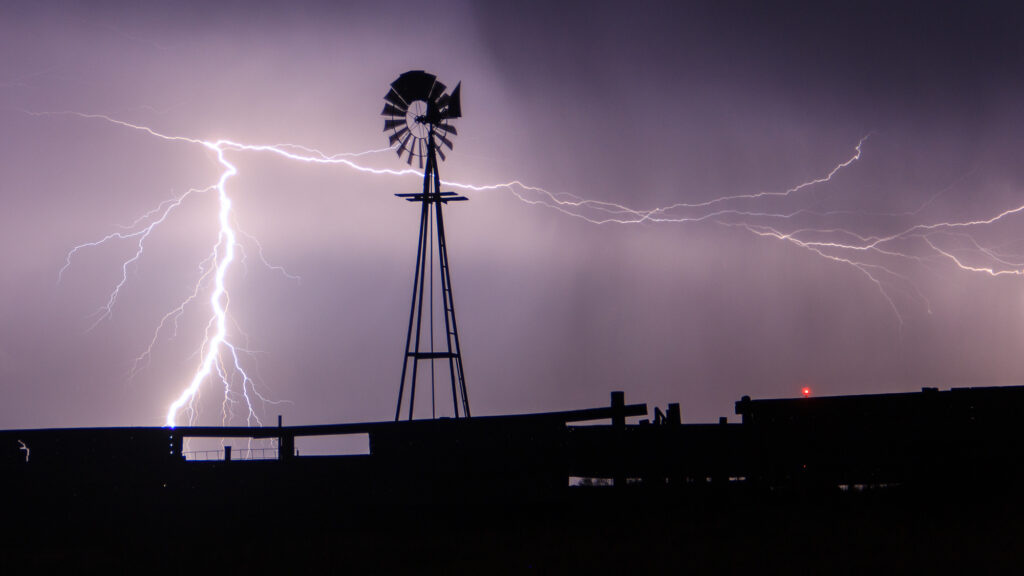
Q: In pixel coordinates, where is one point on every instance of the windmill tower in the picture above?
(418, 111)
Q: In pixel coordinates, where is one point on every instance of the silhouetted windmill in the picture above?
(418, 112)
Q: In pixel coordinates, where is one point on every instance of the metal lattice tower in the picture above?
(418, 112)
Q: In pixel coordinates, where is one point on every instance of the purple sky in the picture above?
(642, 107)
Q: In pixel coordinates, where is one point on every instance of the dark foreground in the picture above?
(902, 483)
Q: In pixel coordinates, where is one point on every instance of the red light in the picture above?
(805, 391)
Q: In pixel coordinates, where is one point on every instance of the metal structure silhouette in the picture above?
(418, 111)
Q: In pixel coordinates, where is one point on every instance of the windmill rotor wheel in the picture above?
(415, 107)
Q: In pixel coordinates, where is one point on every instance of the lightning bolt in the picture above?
(223, 256)
(880, 258)
(220, 358)
(836, 244)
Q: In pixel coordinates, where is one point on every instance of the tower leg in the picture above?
(417, 290)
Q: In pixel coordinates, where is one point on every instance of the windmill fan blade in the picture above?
(414, 85)
(440, 152)
(396, 136)
(436, 91)
(420, 157)
(404, 142)
(408, 158)
(454, 109)
(392, 124)
(396, 99)
(392, 110)
(444, 140)
(448, 128)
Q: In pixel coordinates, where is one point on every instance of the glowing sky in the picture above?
(644, 106)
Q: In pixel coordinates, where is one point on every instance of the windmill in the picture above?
(418, 112)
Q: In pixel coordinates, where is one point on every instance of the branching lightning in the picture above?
(879, 258)
(220, 358)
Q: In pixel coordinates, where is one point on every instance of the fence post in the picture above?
(618, 429)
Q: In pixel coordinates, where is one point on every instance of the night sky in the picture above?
(638, 105)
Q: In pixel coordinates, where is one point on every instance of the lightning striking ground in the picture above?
(881, 259)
